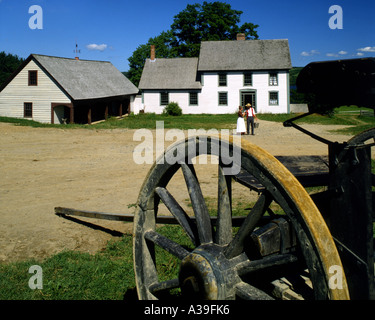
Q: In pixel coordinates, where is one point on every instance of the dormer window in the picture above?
(33, 78)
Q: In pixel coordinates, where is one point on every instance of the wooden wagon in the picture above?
(318, 246)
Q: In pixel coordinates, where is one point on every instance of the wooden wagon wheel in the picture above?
(363, 137)
(217, 265)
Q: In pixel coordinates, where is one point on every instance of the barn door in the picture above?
(62, 113)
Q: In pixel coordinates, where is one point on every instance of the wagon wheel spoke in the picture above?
(248, 292)
(179, 213)
(224, 209)
(235, 247)
(198, 204)
(166, 244)
(164, 286)
(248, 266)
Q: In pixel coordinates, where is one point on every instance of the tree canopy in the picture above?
(8, 64)
(207, 22)
(198, 22)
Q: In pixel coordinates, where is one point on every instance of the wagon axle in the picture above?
(207, 274)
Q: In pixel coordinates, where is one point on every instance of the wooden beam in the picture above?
(89, 116)
(92, 214)
(120, 109)
(61, 211)
(106, 112)
(71, 113)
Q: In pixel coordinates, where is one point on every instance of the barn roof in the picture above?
(170, 73)
(244, 55)
(83, 79)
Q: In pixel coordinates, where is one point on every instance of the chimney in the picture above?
(152, 56)
(241, 36)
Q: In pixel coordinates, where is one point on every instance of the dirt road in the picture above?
(42, 168)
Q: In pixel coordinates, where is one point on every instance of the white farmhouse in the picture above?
(56, 90)
(227, 74)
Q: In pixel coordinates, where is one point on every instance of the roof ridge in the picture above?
(242, 41)
(65, 58)
(175, 58)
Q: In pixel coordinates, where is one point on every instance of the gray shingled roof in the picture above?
(244, 55)
(172, 73)
(84, 79)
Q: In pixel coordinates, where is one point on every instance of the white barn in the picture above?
(56, 90)
(227, 74)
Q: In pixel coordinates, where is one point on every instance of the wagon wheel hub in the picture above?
(207, 274)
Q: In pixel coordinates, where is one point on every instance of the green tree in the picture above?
(8, 64)
(197, 23)
(208, 22)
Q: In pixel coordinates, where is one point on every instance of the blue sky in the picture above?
(111, 30)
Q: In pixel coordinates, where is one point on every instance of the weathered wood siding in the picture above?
(17, 92)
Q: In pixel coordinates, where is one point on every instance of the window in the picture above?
(193, 98)
(33, 78)
(223, 98)
(247, 79)
(164, 98)
(222, 79)
(27, 110)
(273, 79)
(274, 98)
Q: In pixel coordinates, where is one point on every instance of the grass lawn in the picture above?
(148, 121)
(349, 116)
(73, 275)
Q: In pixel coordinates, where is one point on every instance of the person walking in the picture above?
(250, 115)
(240, 121)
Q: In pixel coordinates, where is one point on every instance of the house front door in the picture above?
(249, 97)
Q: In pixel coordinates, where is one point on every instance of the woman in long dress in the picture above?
(240, 122)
